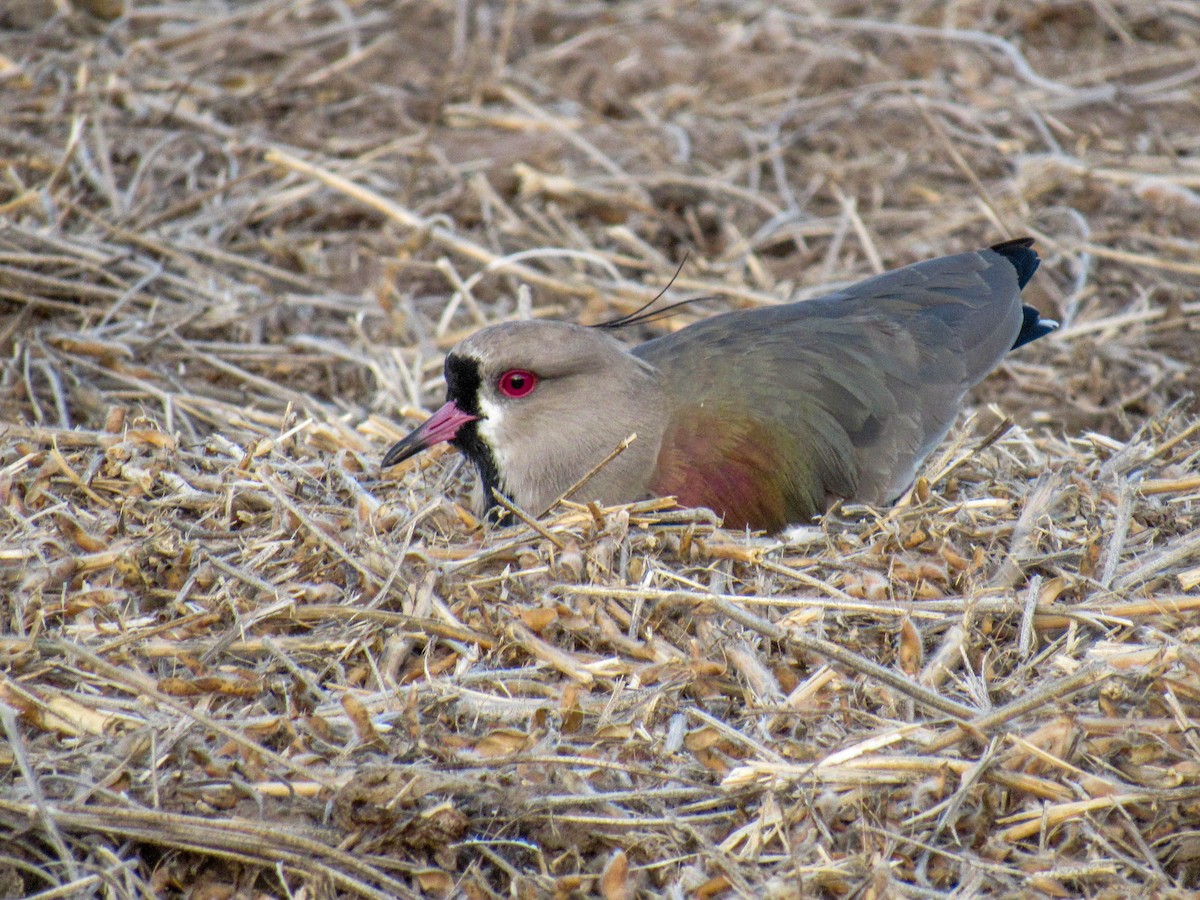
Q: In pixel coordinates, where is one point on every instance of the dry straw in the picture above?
(239, 660)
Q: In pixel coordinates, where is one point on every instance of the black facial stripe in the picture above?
(462, 386)
(476, 449)
(463, 382)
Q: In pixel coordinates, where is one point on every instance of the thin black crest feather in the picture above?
(640, 316)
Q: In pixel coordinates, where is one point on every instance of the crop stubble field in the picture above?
(236, 659)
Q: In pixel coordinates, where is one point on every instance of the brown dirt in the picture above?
(239, 660)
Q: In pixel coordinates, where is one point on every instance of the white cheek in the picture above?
(491, 429)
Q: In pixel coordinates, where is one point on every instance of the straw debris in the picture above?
(236, 659)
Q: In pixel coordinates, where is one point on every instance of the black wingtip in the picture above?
(1033, 326)
(1025, 260)
(1021, 254)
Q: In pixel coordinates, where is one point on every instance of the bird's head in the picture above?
(535, 405)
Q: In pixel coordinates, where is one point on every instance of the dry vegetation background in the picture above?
(239, 660)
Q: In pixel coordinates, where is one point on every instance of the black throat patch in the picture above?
(463, 383)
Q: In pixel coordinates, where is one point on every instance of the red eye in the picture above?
(517, 383)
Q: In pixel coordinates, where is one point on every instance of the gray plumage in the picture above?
(765, 415)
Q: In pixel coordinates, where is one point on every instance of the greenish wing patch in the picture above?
(758, 472)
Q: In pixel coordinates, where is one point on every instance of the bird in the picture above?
(767, 416)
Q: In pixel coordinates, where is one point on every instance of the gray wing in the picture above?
(856, 387)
